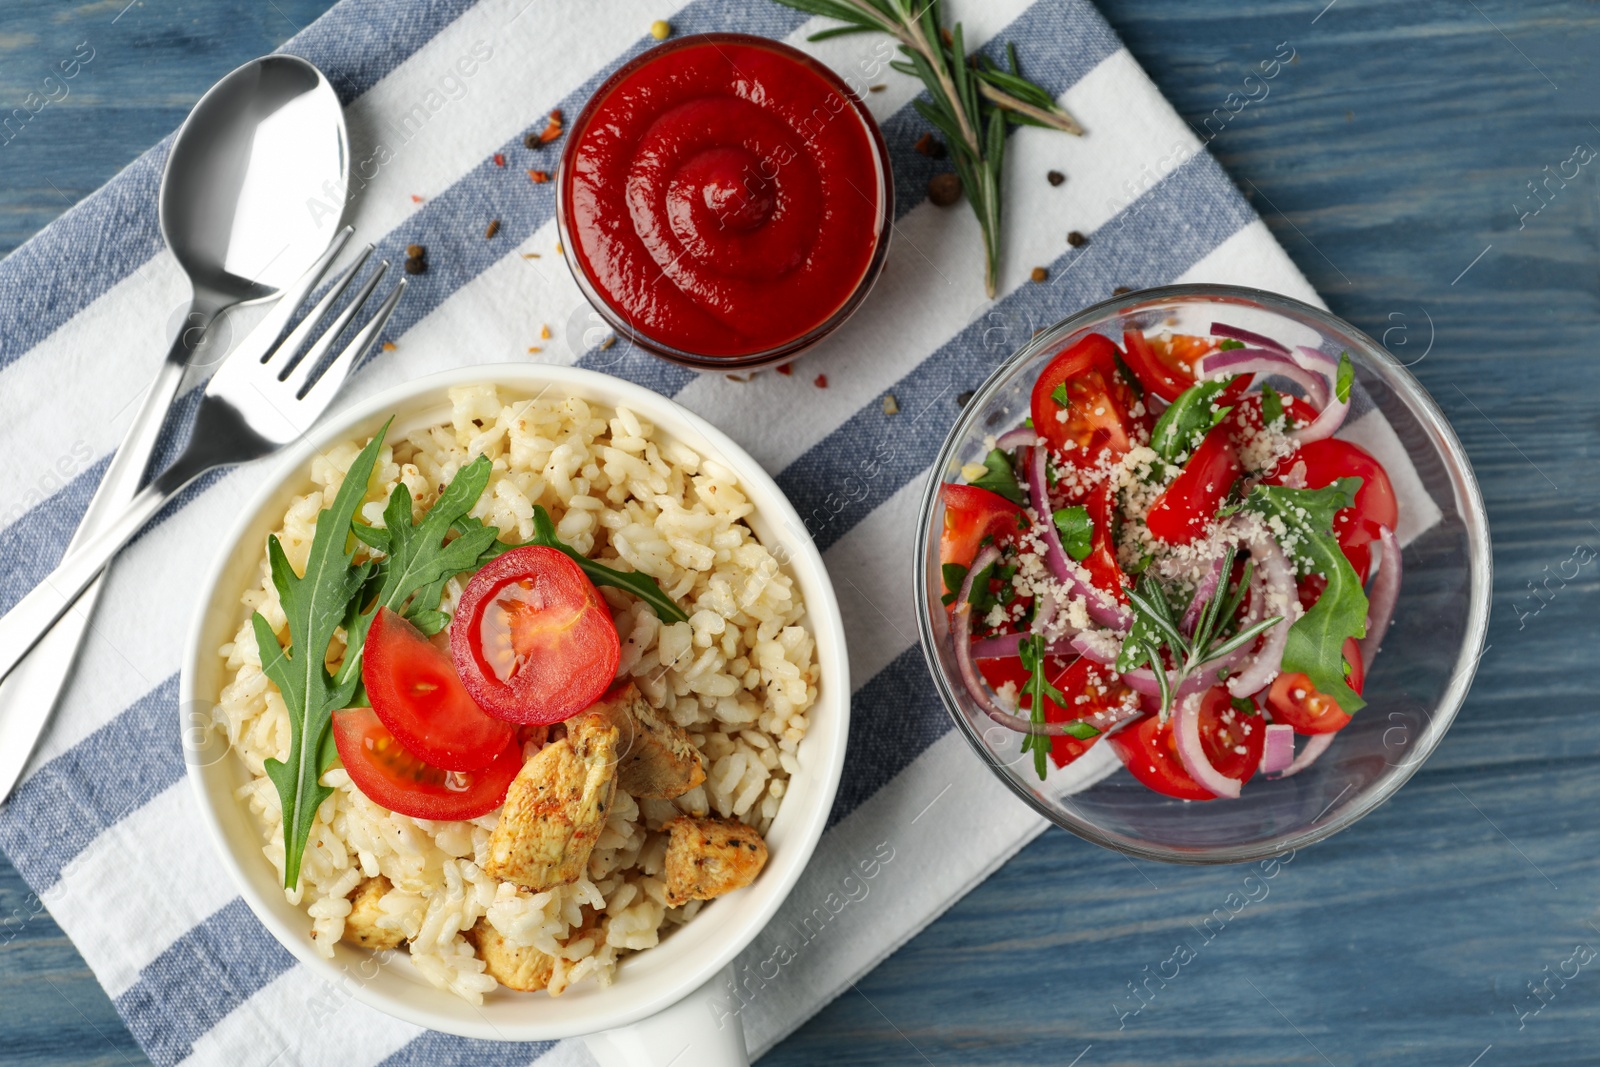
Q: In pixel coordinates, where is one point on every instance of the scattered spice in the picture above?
(931, 146)
(661, 29)
(963, 399)
(544, 332)
(530, 140)
(786, 370)
(891, 406)
(556, 116)
(821, 382)
(499, 159)
(608, 342)
(415, 265)
(534, 348)
(944, 189)
(880, 87)
(415, 199)
(531, 255)
(1121, 290)
(1076, 239)
(1055, 177)
(539, 176)
(494, 228)
(415, 252)
(1039, 274)
(559, 250)
(388, 346)
(743, 379)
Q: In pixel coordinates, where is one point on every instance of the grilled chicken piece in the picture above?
(655, 758)
(709, 857)
(361, 925)
(555, 809)
(512, 966)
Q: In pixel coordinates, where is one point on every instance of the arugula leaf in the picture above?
(1271, 405)
(998, 477)
(1031, 651)
(1059, 395)
(1229, 345)
(1076, 530)
(1181, 426)
(1080, 729)
(1343, 380)
(1316, 640)
(635, 583)
(315, 605)
(418, 561)
(954, 574)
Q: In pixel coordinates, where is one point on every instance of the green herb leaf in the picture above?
(315, 604)
(1316, 640)
(1271, 405)
(1059, 395)
(1244, 705)
(640, 585)
(1076, 530)
(1229, 345)
(1080, 729)
(998, 477)
(1182, 426)
(1344, 379)
(1031, 650)
(954, 574)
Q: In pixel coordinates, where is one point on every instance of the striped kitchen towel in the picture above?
(105, 829)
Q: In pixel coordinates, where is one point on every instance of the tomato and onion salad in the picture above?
(1144, 471)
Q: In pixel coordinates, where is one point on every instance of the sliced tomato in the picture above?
(532, 639)
(1183, 510)
(1104, 570)
(971, 516)
(1149, 749)
(1295, 701)
(1096, 417)
(417, 694)
(1324, 462)
(392, 777)
(1073, 679)
(1164, 366)
(1246, 412)
(1356, 670)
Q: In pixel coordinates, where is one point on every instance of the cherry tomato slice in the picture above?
(1149, 750)
(1104, 570)
(417, 694)
(1295, 701)
(1075, 678)
(1184, 508)
(532, 639)
(392, 777)
(1164, 366)
(972, 514)
(1096, 416)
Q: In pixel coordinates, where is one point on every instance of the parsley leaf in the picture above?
(1316, 640)
(1182, 425)
(1076, 530)
(315, 604)
(954, 574)
(635, 583)
(1038, 688)
(1271, 405)
(998, 477)
(1346, 376)
(1229, 345)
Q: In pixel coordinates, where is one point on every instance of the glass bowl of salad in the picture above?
(1203, 574)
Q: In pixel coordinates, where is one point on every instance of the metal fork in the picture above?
(250, 409)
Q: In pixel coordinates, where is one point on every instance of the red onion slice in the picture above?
(1202, 593)
(1277, 578)
(1103, 608)
(1143, 679)
(1021, 437)
(1326, 424)
(1385, 592)
(1005, 647)
(1186, 732)
(1315, 359)
(1249, 337)
(1258, 361)
(1277, 754)
(1316, 745)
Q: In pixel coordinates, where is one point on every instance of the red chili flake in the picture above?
(786, 369)
(551, 132)
(388, 346)
(555, 115)
(539, 176)
(499, 159)
(821, 382)
(415, 199)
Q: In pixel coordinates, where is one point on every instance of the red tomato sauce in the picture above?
(724, 195)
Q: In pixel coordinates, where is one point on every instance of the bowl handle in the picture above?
(696, 1030)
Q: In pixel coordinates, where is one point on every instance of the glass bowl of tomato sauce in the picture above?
(1413, 687)
(724, 201)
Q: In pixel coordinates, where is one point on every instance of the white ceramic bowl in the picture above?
(647, 983)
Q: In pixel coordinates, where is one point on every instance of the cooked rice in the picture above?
(739, 676)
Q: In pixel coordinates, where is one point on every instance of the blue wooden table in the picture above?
(1394, 161)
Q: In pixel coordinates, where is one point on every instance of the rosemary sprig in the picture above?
(1155, 627)
(972, 98)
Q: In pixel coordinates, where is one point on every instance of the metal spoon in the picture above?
(251, 196)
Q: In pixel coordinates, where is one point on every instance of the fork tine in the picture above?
(262, 337)
(283, 357)
(322, 392)
(297, 379)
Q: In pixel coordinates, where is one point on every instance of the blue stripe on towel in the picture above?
(434, 1049)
